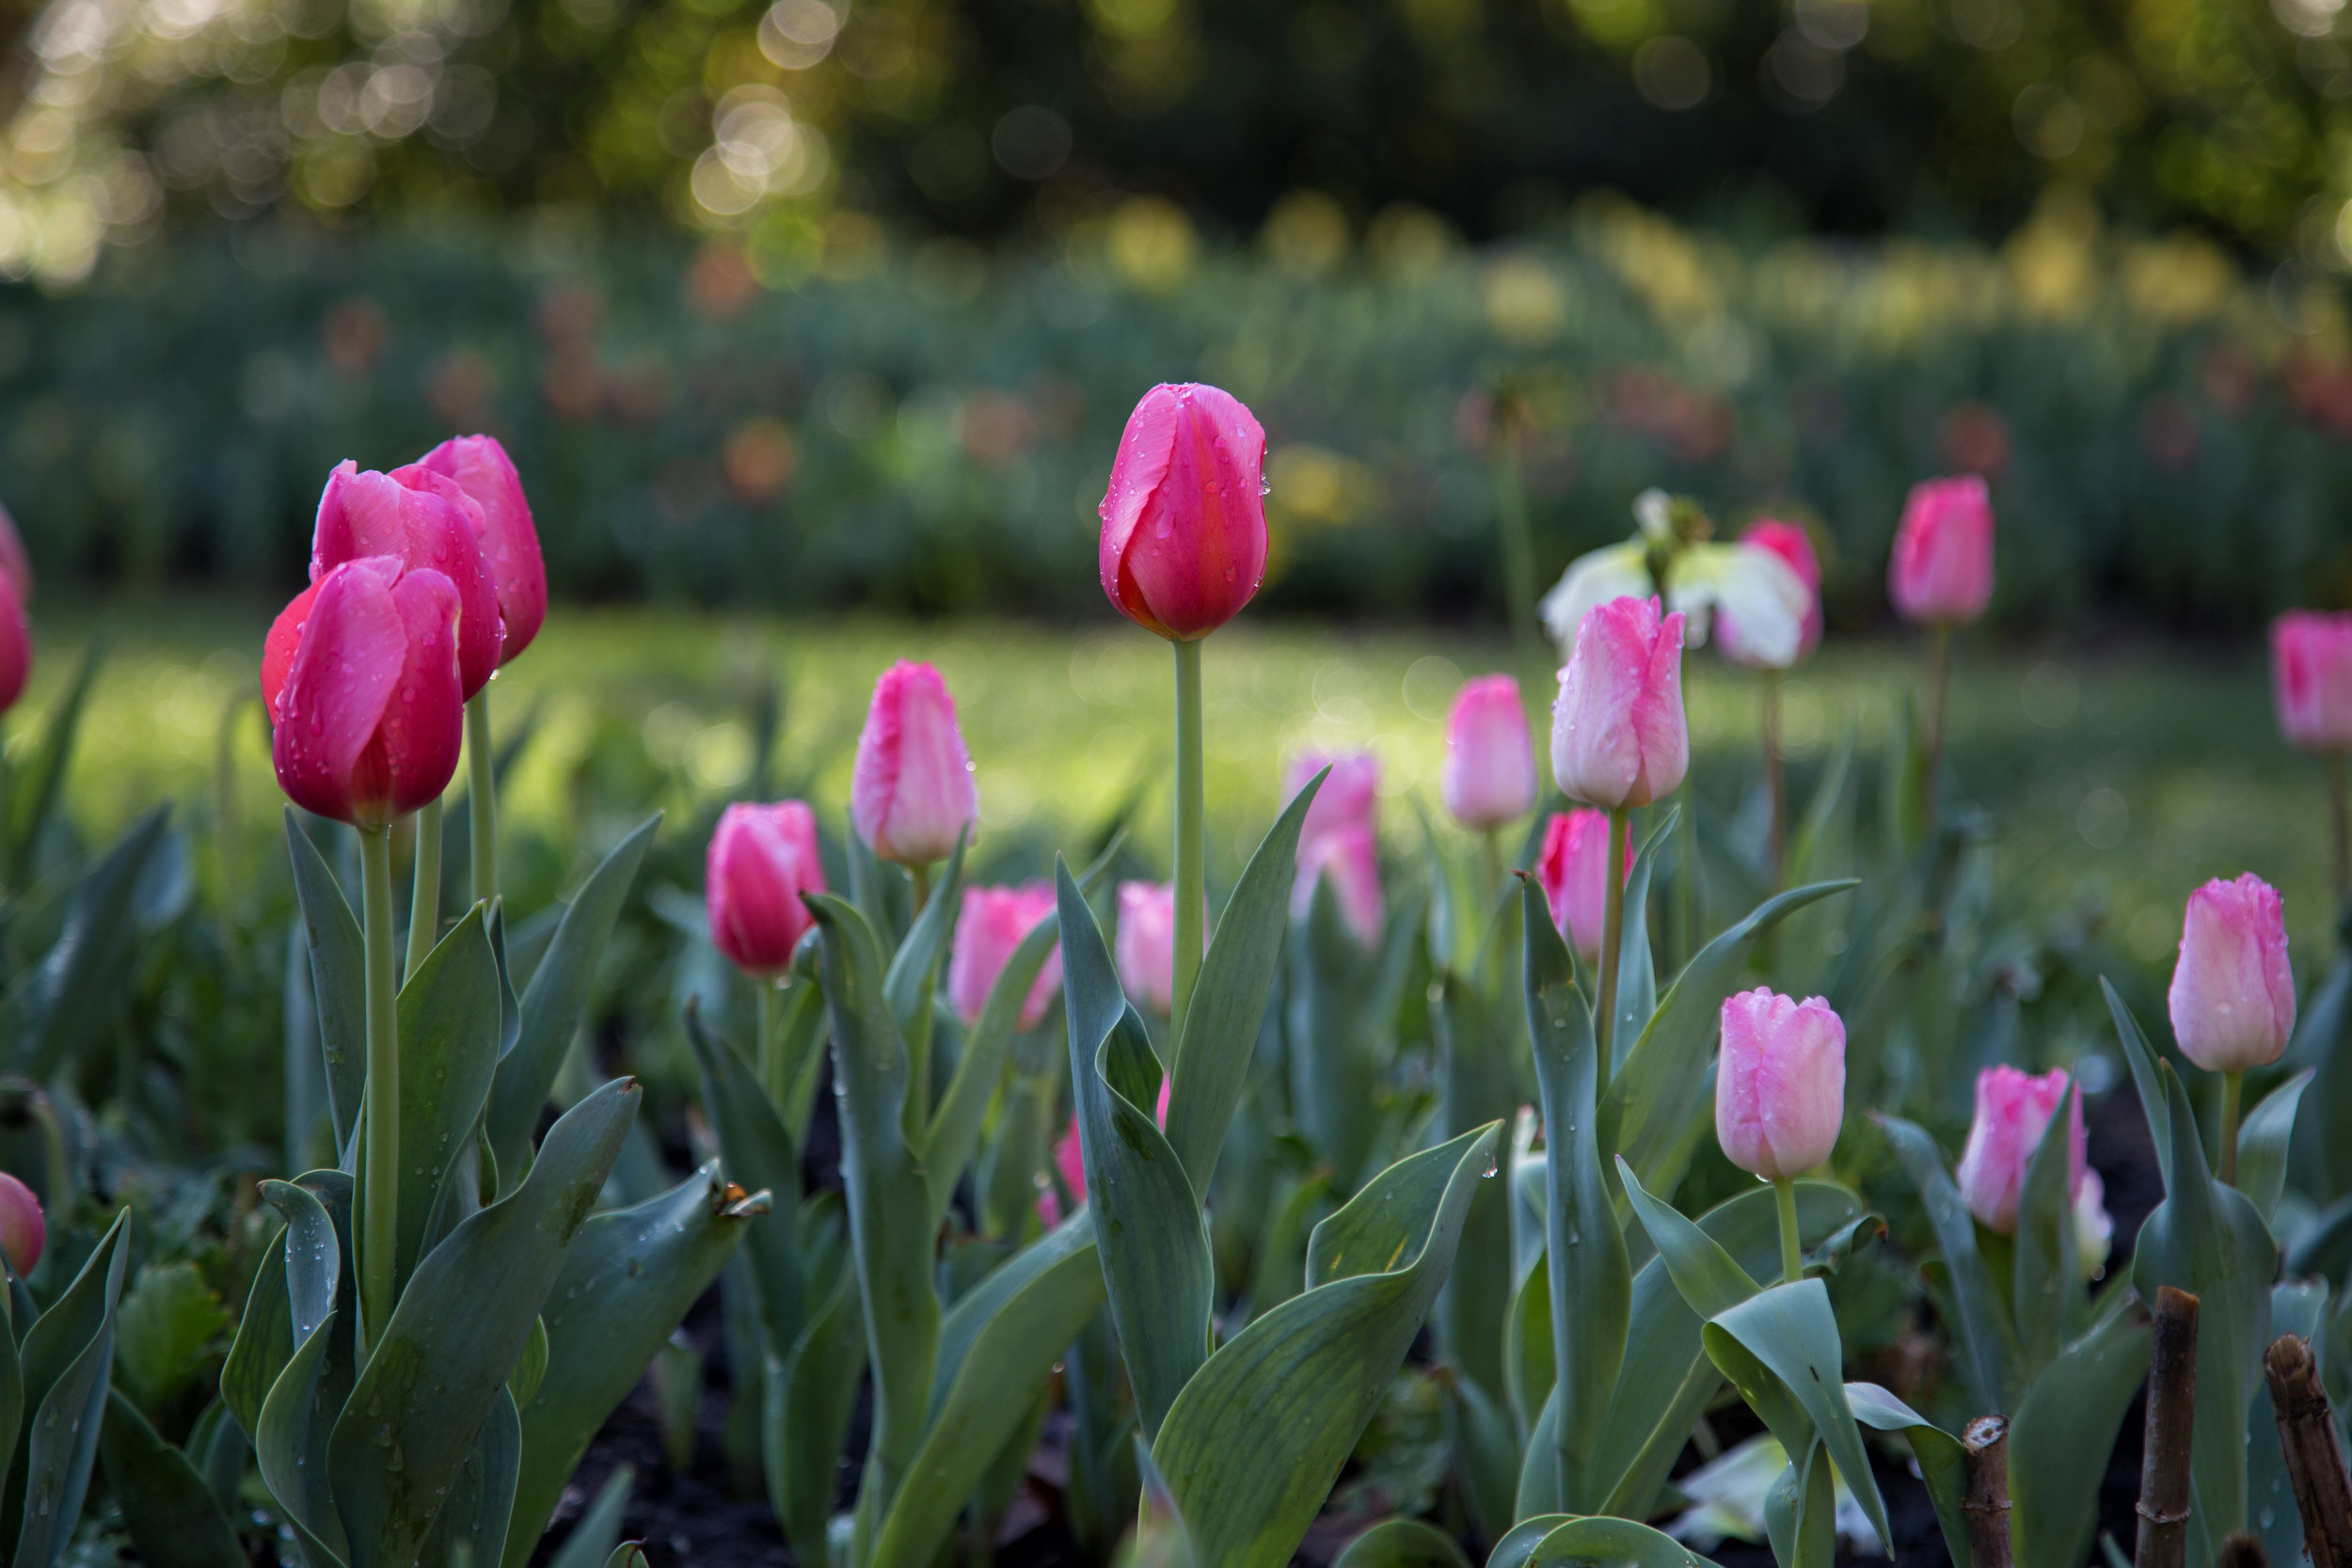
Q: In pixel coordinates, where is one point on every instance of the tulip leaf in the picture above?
(1708, 1278)
(1474, 1055)
(1637, 974)
(449, 1030)
(1210, 1066)
(1402, 1543)
(2266, 1140)
(2141, 1057)
(757, 1152)
(12, 1389)
(66, 1358)
(305, 1266)
(1485, 1455)
(441, 1363)
(2045, 1273)
(77, 990)
(1988, 1341)
(624, 1283)
(1801, 1511)
(1162, 1538)
(553, 1002)
(912, 976)
(2061, 1436)
(592, 1540)
(291, 1441)
(1530, 1368)
(1549, 1539)
(1252, 1446)
(1938, 1453)
(311, 1254)
(1335, 1014)
(811, 1392)
(1663, 1079)
(471, 1525)
(337, 979)
(33, 800)
(173, 1519)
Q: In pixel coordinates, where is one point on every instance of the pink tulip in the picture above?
(510, 542)
(1618, 737)
(1350, 798)
(2014, 1111)
(23, 1230)
(1349, 857)
(1184, 523)
(2310, 679)
(1490, 773)
(2094, 1228)
(911, 789)
(1780, 1091)
(360, 677)
(424, 521)
(1572, 871)
(1794, 547)
(994, 921)
(1070, 1161)
(1147, 944)
(16, 566)
(16, 643)
(2233, 995)
(761, 860)
(1940, 573)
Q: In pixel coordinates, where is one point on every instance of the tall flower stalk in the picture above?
(1939, 577)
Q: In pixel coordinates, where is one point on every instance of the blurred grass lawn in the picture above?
(2114, 780)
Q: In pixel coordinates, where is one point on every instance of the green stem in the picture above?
(1775, 783)
(1490, 860)
(1190, 836)
(919, 882)
(1939, 682)
(1791, 1255)
(2233, 1088)
(2340, 819)
(773, 1073)
(425, 901)
(379, 1219)
(1612, 931)
(483, 795)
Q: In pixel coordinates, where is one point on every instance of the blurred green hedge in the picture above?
(931, 429)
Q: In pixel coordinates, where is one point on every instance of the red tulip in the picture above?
(510, 542)
(360, 675)
(426, 522)
(911, 789)
(23, 1230)
(1184, 540)
(1941, 571)
(761, 860)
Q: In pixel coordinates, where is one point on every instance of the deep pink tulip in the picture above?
(510, 541)
(911, 789)
(2310, 679)
(1574, 883)
(1940, 573)
(16, 566)
(1183, 522)
(1490, 773)
(1147, 944)
(1780, 1091)
(1618, 735)
(2014, 1111)
(360, 677)
(24, 1233)
(1349, 858)
(762, 858)
(1350, 798)
(1794, 547)
(16, 643)
(425, 522)
(994, 921)
(2232, 994)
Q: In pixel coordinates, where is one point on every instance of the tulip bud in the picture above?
(1940, 573)
(1183, 522)
(1790, 544)
(2233, 995)
(1350, 798)
(911, 789)
(2310, 679)
(360, 673)
(510, 542)
(761, 860)
(2014, 1111)
(1618, 737)
(1349, 857)
(994, 921)
(16, 643)
(1572, 870)
(423, 521)
(1147, 944)
(23, 1230)
(1490, 773)
(1780, 1090)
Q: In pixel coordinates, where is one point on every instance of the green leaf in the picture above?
(1552, 1539)
(913, 973)
(1988, 1342)
(442, 1362)
(592, 1540)
(449, 1036)
(530, 1366)
(1710, 1279)
(173, 1519)
(629, 1554)
(625, 1282)
(1162, 1538)
(290, 1444)
(1942, 1461)
(45, 773)
(811, 1393)
(1801, 1511)
(166, 1323)
(1637, 975)
(2061, 1436)
(757, 1152)
(310, 1255)
(338, 979)
(472, 1523)
(78, 989)
(66, 1358)
(1474, 1053)
(2045, 1274)
(1485, 1455)
(2142, 1060)
(11, 1392)
(552, 1003)
(1402, 1543)
(1252, 1446)
(2265, 1141)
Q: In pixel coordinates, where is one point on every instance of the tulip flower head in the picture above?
(16, 565)
(2233, 997)
(1490, 772)
(24, 1233)
(2014, 1111)
(1780, 1090)
(1940, 573)
(762, 858)
(911, 789)
(1147, 944)
(1350, 798)
(994, 921)
(479, 465)
(360, 673)
(1349, 858)
(425, 522)
(1619, 734)
(1573, 871)
(16, 644)
(1183, 543)
(1765, 645)
(2310, 679)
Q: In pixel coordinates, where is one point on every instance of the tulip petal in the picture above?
(350, 657)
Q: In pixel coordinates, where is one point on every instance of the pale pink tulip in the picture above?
(1618, 735)
(1780, 1089)
(1350, 798)
(1147, 944)
(911, 789)
(1490, 773)
(2233, 996)
(1349, 858)
(2014, 1111)
(996, 919)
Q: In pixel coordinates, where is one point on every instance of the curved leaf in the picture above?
(449, 1034)
(1561, 1537)
(2045, 1277)
(758, 1153)
(1474, 1053)
(1637, 975)
(811, 1393)
(290, 1442)
(1402, 1543)
(2265, 1141)
(912, 976)
(592, 1540)
(77, 990)
(472, 1523)
(173, 1519)
(1940, 1458)
(1988, 1341)
(2061, 1436)
(337, 979)
(66, 1357)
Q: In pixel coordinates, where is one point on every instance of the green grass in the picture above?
(2113, 782)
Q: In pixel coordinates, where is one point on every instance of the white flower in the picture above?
(1613, 572)
(1729, 1492)
(2094, 1228)
(1762, 594)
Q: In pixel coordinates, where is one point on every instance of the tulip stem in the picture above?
(771, 1070)
(1490, 860)
(1612, 932)
(918, 890)
(1791, 1254)
(425, 901)
(2340, 818)
(482, 796)
(1776, 786)
(2233, 1089)
(1190, 839)
(1939, 681)
(379, 1219)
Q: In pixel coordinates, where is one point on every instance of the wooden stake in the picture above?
(2162, 1506)
(1984, 1491)
(2315, 1460)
